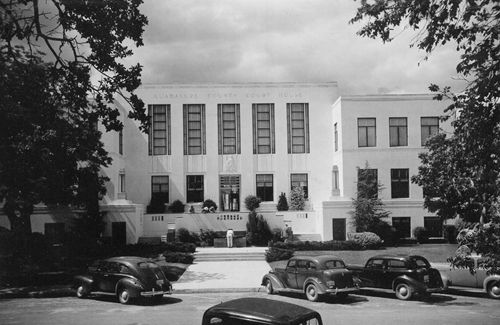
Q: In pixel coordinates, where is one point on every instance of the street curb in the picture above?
(38, 293)
(216, 290)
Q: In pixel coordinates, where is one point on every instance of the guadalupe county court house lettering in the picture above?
(226, 141)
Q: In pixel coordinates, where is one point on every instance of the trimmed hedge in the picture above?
(278, 254)
(421, 234)
(331, 245)
(366, 240)
(178, 257)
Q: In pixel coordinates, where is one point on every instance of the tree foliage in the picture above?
(368, 209)
(50, 54)
(460, 173)
(297, 199)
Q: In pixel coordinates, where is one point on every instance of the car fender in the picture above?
(490, 278)
(317, 282)
(408, 280)
(275, 281)
(134, 286)
(83, 279)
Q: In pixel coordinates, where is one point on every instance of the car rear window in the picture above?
(334, 264)
(420, 262)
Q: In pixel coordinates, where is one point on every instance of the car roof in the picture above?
(128, 259)
(262, 310)
(317, 259)
(396, 256)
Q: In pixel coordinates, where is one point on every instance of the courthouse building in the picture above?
(226, 141)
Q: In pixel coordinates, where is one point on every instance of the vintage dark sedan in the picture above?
(405, 275)
(127, 277)
(248, 311)
(312, 275)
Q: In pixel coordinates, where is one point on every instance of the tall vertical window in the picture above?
(194, 188)
(264, 186)
(229, 129)
(367, 135)
(298, 127)
(263, 128)
(122, 182)
(400, 183)
(335, 181)
(300, 180)
(336, 136)
(159, 189)
(429, 126)
(367, 183)
(194, 129)
(398, 131)
(159, 132)
(120, 142)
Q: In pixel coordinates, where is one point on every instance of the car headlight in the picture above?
(330, 284)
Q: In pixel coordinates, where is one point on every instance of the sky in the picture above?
(237, 41)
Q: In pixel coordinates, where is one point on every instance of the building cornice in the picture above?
(386, 97)
(241, 85)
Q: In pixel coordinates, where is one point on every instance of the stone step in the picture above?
(229, 258)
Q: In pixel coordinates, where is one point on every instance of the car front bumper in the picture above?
(342, 290)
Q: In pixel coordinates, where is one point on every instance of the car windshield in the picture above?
(334, 264)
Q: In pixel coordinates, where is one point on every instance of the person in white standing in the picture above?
(229, 237)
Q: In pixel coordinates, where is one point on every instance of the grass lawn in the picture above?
(432, 252)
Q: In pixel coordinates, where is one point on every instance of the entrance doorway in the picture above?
(338, 229)
(119, 233)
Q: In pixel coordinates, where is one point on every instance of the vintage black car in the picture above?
(405, 275)
(247, 311)
(126, 277)
(312, 275)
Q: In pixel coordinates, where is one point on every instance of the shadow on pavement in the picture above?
(328, 299)
(166, 300)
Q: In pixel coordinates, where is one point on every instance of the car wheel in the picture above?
(269, 287)
(312, 292)
(124, 296)
(493, 289)
(81, 291)
(404, 291)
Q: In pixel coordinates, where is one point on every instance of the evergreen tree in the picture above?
(297, 199)
(282, 203)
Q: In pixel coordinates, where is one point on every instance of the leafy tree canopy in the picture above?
(460, 173)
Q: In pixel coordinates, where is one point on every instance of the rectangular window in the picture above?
(400, 183)
(263, 128)
(194, 188)
(298, 127)
(336, 136)
(159, 190)
(265, 187)
(229, 129)
(367, 183)
(120, 142)
(159, 131)
(434, 226)
(398, 131)
(194, 129)
(299, 180)
(229, 192)
(402, 226)
(429, 127)
(367, 135)
(122, 183)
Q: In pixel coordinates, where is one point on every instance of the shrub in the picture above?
(331, 245)
(210, 205)
(366, 240)
(178, 257)
(252, 202)
(185, 236)
(187, 247)
(421, 234)
(258, 231)
(207, 236)
(156, 205)
(176, 207)
(297, 200)
(277, 234)
(282, 203)
(278, 254)
(386, 232)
